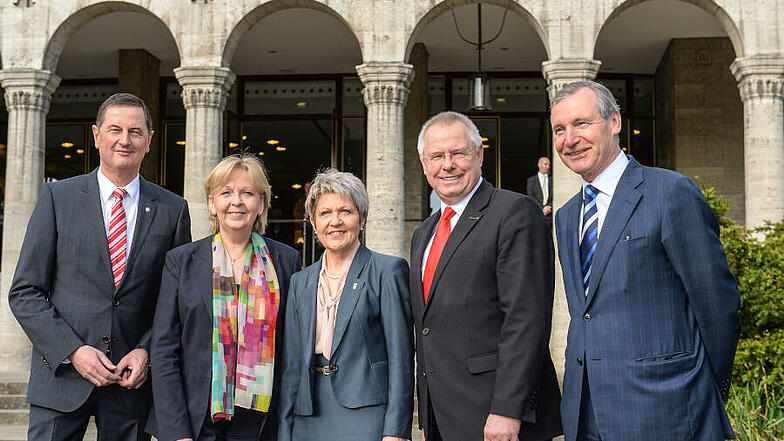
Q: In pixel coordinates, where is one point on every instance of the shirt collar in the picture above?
(541, 175)
(461, 206)
(608, 179)
(106, 187)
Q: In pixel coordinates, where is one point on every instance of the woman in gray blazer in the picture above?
(348, 368)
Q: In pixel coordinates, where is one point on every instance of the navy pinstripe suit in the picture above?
(658, 331)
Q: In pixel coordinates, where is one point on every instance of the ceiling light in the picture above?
(233, 145)
(500, 100)
(485, 146)
(296, 186)
(636, 132)
(302, 104)
(280, 148)
(180, 143)
(244, 137)
(261, 153)
(79, 151)
(484, 139)
(67, 156)
(272, 141)
(66, 144)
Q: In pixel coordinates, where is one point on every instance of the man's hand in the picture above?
(94, 366)
(133, 368)
(547, 210)
(501, 428)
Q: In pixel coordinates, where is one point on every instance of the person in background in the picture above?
(540, 187)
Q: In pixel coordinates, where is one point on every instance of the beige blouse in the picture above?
(327, 300)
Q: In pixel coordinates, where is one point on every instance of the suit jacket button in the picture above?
(587, 317)
(425, 331)
(579, 361)
(116, 303)
(106, 339)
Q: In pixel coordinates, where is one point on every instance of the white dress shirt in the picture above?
(606, 183)
(545, 188)
(459, 209)
(130, 204)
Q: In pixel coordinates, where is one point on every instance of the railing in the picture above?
(298, 234)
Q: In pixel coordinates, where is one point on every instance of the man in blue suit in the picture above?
(654, 307)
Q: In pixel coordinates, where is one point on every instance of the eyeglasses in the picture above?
(455, 156)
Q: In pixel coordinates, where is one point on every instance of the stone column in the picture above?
(566, 184)
(416, 113)
(761, 83)
(385, 95)
(28, 93)
(204, 94)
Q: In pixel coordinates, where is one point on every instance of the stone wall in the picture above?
(699, 116)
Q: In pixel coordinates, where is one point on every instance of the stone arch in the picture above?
(709, 6)
(262, 11)
(79, 18)
(429, 15)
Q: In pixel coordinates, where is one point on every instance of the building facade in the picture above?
(347, 83)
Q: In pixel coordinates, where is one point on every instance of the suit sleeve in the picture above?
(398, 326)
(182, 235)
(525, 283)
(171, 404)
(690, 236)
(31, 287)
(529, 188)
(292, 351)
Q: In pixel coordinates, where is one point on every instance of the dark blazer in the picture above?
(63, 291)
(534, 189)
(182, 339)
(659, 328)
(372, 345)
(483, 337)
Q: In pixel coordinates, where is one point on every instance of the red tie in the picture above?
(442, 234)
(118, 236)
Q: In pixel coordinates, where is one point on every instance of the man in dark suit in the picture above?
(540, 187)
(481, 295)
(654, 307)
(87, 280)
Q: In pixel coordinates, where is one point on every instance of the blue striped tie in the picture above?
(590, 233)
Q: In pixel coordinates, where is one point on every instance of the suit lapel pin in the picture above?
(474, 217)
(147, 209)
(355, 286)
(627, 237)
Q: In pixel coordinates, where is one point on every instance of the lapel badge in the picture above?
(474, 217)
(355, 286)
(147, 209)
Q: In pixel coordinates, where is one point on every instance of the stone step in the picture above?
(13, 388)
(13, 402)
(13, 416)
(18, 432)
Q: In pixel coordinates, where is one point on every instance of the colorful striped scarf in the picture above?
(243, 333)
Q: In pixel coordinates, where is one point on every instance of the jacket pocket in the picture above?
(480, 363)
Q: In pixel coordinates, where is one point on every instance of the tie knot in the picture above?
(448, 213)
(119, 193)
(590, 193)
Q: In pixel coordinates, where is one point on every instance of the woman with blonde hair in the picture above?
(216, 336)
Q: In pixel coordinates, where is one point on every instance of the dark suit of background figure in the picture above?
(534, 189)
(372, 345)
(63, 290)
(181, 354)
(483, 338)
(658, 331)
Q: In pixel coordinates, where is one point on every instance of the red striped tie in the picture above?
(439, 240)
(118, 236)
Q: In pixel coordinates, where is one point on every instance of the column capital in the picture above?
(759, 76)
(385, 82)
(563, 71)
(28, 88)
(204, 86)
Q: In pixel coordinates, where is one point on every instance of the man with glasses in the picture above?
(481, 294)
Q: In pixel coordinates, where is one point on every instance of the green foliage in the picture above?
(756, 411)
(756, 258)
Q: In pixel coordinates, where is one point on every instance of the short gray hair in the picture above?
(604, 98)
(123, 99)
(343, 183)
(446, 118)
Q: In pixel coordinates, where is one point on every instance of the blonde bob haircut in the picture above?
(258, 175)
